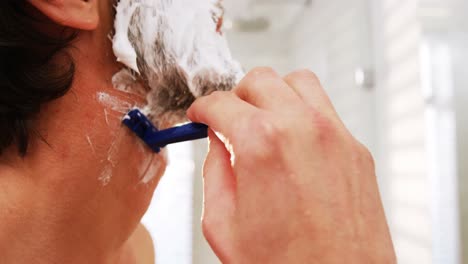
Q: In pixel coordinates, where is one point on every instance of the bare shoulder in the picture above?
(141, 245)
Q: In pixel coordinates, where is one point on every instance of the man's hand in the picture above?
(285, 182)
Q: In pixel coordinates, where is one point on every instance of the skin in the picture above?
(287, 182)
(53, 207)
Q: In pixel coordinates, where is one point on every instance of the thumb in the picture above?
(219, 185)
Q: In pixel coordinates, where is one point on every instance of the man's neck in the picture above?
(30, 234)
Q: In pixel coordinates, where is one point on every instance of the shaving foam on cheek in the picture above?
(175, 49)
(122, 47)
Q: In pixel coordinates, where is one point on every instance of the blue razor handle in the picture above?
(157, 139)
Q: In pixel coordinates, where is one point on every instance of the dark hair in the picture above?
(31, 73)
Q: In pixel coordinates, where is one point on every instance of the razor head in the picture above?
(157, 139)
(141, 126)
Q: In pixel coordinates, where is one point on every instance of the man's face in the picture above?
(176, 49)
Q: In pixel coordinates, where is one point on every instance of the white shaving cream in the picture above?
(114, 103)
(176, 49)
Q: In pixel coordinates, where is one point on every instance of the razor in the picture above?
(158, 139)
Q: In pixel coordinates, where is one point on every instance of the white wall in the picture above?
(332, 38)
(462, 132)
(460, 54)
(401, 115)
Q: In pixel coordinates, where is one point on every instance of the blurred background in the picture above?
(397, 72)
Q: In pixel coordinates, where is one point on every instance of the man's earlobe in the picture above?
(79, 14)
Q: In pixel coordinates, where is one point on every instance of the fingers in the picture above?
(306, 84)
(219, 194)
(265, 89)
(221, 111)
(219, 180)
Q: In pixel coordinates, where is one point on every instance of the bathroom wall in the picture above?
(332, 38)
(402, 128)
(460, 54)
(462, 140)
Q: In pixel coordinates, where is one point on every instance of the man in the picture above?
(286, 184)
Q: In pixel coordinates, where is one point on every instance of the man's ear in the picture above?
(79, 14)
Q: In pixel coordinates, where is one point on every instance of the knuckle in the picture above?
(217, 96)
(198, 105)
(324, 129)
(267, 130)
(254, 79)
(365, 155)
(193, 109)
(206, 228)
(201, 102)
(262, 71)
(213, 101)
(218, 99)
(266, 137)
(304, 74)
(361, 156)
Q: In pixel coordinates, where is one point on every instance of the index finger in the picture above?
(221, 111)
